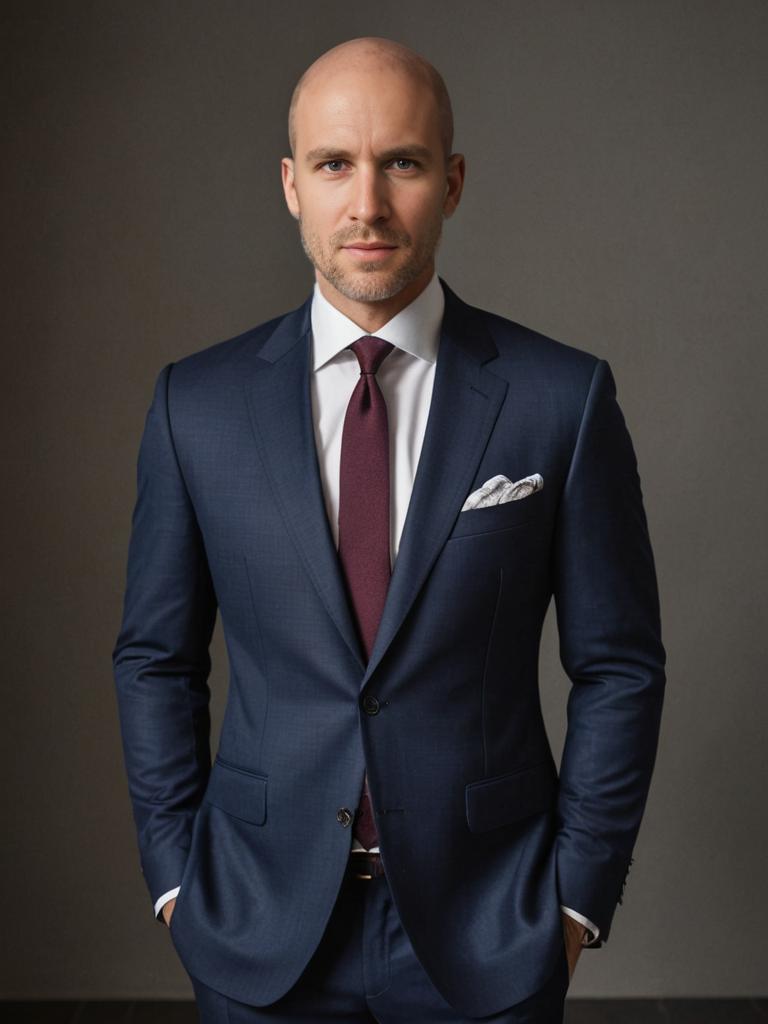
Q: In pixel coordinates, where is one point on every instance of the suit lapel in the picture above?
(465, 403)
(280, 404)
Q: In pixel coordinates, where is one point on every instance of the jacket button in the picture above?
(344, 816)
(370, 705)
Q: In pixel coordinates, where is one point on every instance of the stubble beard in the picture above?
(371, 283)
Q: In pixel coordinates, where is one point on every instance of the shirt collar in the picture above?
(415, 329)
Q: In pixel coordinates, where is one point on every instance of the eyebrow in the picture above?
(324, 153)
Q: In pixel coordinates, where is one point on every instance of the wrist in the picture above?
(167, 911)
(576, 929)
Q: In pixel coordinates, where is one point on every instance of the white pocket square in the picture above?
(500, 488)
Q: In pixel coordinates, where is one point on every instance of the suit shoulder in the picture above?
(226, 355)
(225, 361)
(521, 346)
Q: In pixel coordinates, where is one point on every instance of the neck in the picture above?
(370, 316)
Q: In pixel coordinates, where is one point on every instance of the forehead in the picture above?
(359, 106)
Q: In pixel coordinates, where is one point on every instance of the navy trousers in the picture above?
(365, 970)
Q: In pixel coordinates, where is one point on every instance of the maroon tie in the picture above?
(364, 517)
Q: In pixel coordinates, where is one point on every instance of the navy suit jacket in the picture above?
(481, 838)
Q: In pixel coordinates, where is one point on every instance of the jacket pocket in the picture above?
(238, 791)
(510, 797)
(489, 518)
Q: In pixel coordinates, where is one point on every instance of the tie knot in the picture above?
(371, 352)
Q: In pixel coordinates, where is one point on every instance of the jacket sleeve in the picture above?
(608, 619)
(161, 659)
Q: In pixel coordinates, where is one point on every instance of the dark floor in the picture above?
(578, 1011)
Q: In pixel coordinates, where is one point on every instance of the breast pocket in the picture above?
(506, 516)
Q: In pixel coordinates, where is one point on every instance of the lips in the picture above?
(370, 253)
(369, 245)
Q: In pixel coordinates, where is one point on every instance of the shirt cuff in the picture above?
(593, 932)
(171, 894)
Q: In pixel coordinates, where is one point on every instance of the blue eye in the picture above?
(334, 166)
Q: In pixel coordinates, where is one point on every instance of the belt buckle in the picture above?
(357, 874)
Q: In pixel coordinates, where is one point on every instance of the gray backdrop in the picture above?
(615, 199)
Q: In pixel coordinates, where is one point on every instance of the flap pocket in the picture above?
(510, 797)
(238, 791)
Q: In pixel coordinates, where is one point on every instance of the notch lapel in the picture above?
(465, 403)
(280, 406)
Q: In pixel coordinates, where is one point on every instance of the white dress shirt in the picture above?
(406, 377)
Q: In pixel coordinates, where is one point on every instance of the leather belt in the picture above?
(365, 865)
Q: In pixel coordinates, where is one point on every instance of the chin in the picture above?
(369, 291)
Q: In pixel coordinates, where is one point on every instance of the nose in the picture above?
(368, 199)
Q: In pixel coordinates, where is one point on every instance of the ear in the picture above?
(454, 183)
(289, 186)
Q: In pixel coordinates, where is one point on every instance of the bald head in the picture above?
(371, 52)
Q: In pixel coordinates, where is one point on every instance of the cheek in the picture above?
(325, 214)
(422, 211)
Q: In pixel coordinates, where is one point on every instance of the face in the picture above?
(369, 183)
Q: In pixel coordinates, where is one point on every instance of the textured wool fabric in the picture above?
(364, 517)
(444, 713)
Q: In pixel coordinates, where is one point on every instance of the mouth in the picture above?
(369, 245)
(369, 251)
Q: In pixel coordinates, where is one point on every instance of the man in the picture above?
(382, 491)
